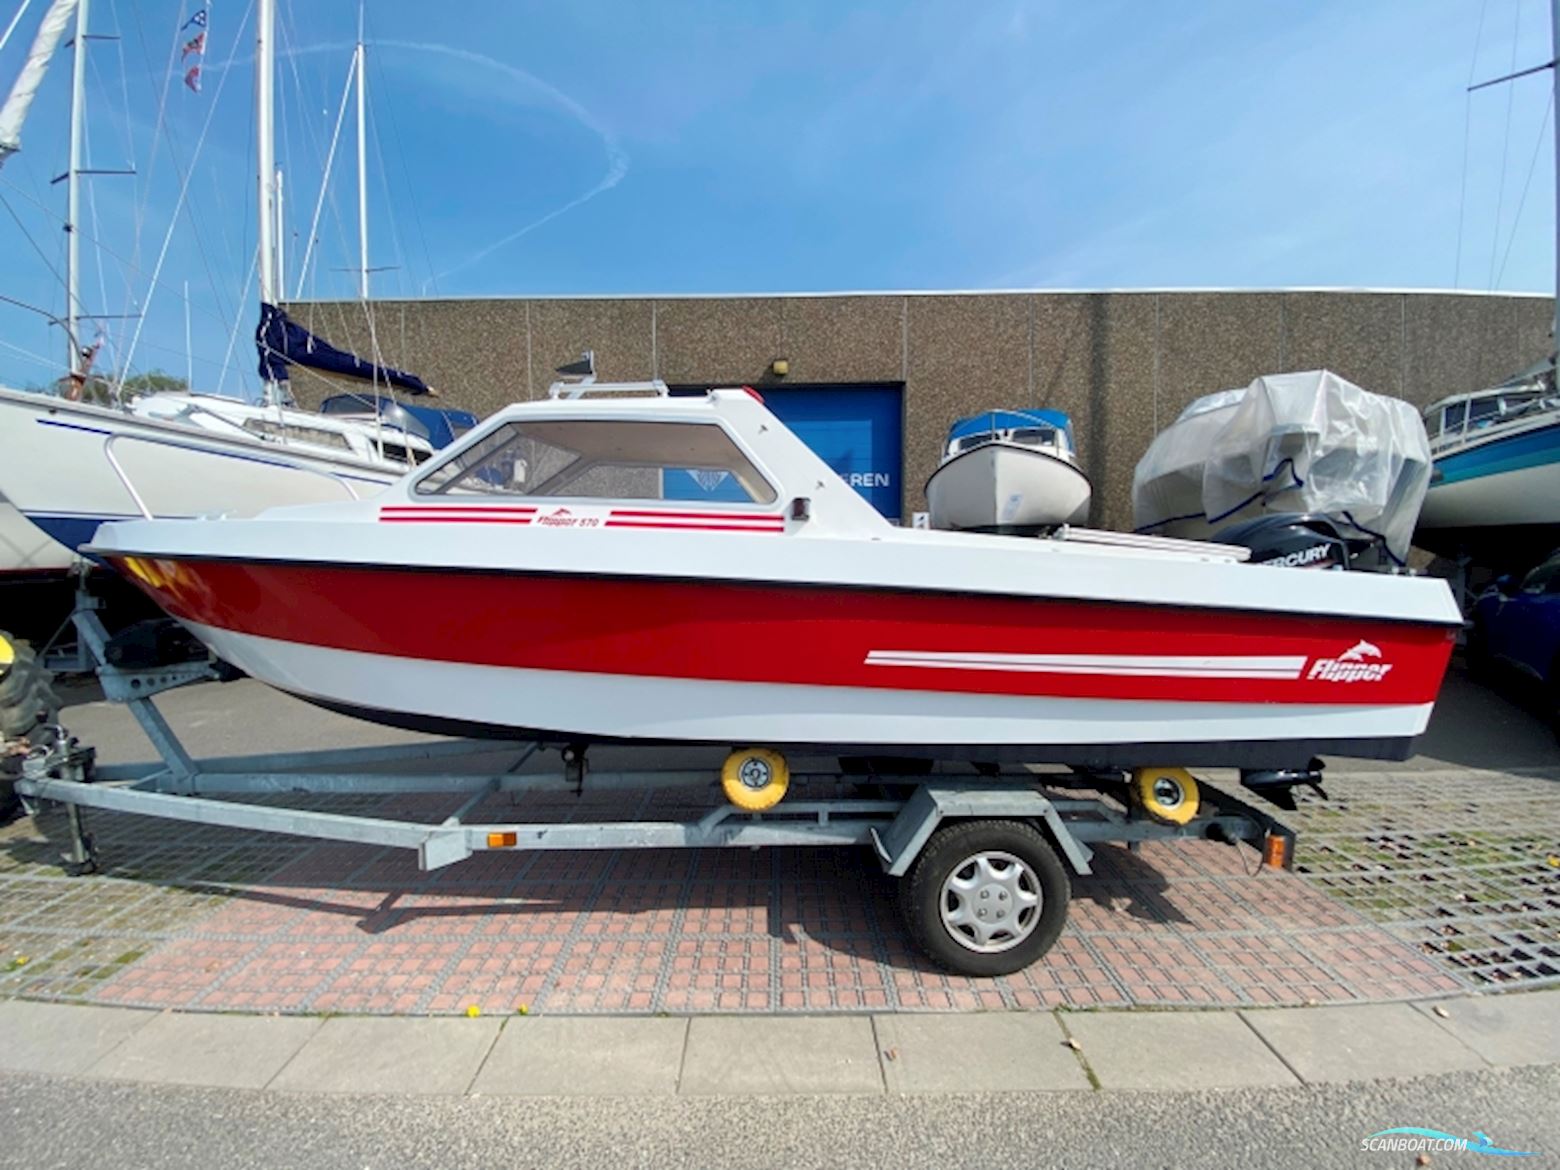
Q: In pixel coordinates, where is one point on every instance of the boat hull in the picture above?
(1497, 499)
(25, 551)
(1000, 487)
(927, 672)
(58, 465)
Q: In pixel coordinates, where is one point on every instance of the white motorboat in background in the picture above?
(1308, 442)
(1495, 488)
(565, 589)
(1009, 471)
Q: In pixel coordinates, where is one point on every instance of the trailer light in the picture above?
(502, 840)
(1275, 851)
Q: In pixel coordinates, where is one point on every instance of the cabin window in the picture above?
(603, 459)
(269, 428)
(1483, 409)
(1454, 417)
(1035, 436)
(411, 457)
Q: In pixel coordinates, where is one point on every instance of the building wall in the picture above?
(1123, 364)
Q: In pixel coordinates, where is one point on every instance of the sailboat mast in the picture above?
(281, 235)
(362, 166)
(265, 151)
(78, 102)
(1554, 78)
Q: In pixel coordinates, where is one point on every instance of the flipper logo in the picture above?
(1352, 665)
(1411, 1138)
(1360, 651)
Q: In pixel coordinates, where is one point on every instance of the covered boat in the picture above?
(570, 581)
(1308, 442)
(1009, 471)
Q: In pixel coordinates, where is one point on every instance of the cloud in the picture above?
(616, 156)
(617, 160)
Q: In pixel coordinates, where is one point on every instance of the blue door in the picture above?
(857, 429)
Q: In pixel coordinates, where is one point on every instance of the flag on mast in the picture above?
(196, 47)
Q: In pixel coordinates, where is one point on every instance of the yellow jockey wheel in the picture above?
(755, 778)
(1165, 794)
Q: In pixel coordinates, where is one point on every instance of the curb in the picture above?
(614, 1056)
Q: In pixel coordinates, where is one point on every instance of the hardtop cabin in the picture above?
(1461, 416)
(687, 459)
(1045, 429)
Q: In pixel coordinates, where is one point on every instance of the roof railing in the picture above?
(655, 387)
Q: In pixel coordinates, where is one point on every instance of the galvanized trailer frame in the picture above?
(898, 827)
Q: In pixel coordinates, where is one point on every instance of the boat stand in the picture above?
(903, 827)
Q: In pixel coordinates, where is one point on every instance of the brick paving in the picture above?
(211, 919)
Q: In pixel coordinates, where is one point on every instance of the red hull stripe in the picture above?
(404, 509)
(669, 514)
(805, 634)
(455, 519)
(694, 526)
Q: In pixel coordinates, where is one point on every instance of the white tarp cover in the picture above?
(1304, 442)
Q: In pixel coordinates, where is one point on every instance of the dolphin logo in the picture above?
(1360, 651)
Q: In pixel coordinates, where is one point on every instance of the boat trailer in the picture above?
(978, 855)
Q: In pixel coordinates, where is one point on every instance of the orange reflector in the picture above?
(501, 840)
(1275, 851)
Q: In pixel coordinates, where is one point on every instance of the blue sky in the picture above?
(608, 147)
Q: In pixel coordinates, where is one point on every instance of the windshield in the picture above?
(603, 459)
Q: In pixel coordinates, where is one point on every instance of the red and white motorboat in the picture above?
(605, 567)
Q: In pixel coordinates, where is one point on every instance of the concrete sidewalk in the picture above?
(764, 1055)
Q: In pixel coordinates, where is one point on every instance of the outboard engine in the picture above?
(1303, 540)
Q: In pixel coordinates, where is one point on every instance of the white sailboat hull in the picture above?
(1005, 486)
(25, 551)
(1528, 495)
(69, 467)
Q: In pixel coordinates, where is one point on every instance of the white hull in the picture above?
(1002, 486)
(69, 467)
(1530, 495)
(559, 617)
(25, 550)
(632, 707)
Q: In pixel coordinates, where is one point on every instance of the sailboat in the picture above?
(70, 466)
(1494, 497)
(1495, 484)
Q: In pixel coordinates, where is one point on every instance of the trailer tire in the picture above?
(27, 699)
(1167, 795)
(970, 870)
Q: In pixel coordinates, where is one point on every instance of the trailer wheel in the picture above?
(1165, 794)
(755, 778)
(26, 698)
(985, 897)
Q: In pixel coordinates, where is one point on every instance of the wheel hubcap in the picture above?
(991, 902)
(1167, 793)
(754, 773)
